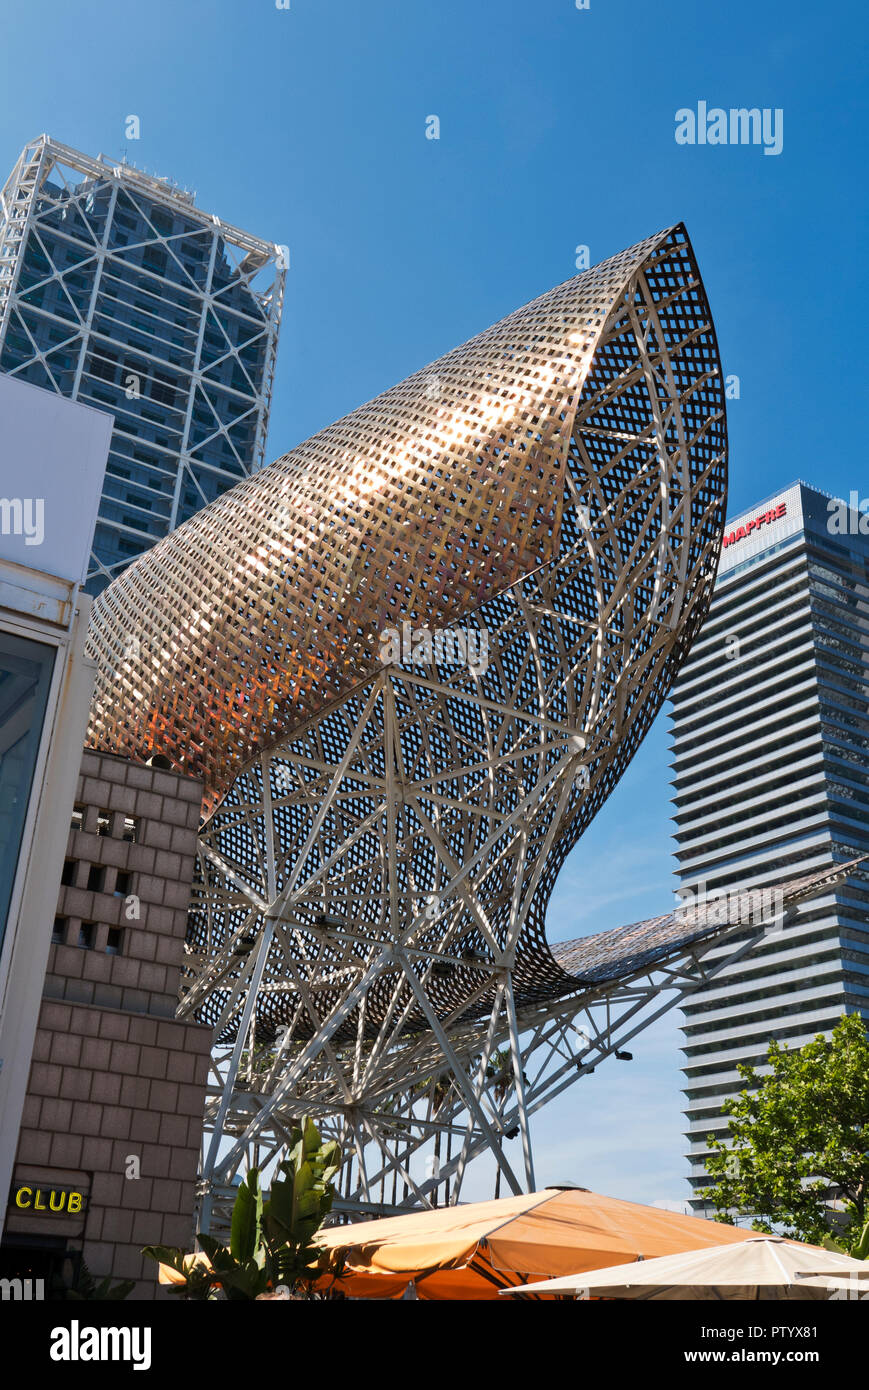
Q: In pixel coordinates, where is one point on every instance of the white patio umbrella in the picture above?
(765, 1267)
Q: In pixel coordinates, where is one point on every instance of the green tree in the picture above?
(799, 1139)
(271, 1240)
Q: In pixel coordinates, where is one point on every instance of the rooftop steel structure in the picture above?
(382, 839)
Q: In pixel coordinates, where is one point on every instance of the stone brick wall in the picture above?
(164, 810)
(113, 1076)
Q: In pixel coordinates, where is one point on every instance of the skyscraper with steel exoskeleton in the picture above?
(771, 734)
(116, 290)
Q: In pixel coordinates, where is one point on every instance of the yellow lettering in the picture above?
(20, 1193)
(36, 1202)
(74, 1203)
(61, 1196)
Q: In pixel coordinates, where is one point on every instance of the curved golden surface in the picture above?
(265, 608)
(369, 911)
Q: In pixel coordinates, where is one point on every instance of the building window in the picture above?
(104, 823)
(131, 829)
(104, 366)
(122, 883)
(114, 941)
(25, 676)
(153, 258)
(96, 878)
(67, 877)
(58, 931)
(77, 822)
(87, 935)
(162, 389)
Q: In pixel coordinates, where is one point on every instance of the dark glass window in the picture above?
(96, 878)
(103, 365)
(162, 389)
(25, 676)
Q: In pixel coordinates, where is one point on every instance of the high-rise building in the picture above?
(771, 732)
(117, 291)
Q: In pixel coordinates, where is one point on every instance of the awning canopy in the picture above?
(474, 1251)
(757, 1268)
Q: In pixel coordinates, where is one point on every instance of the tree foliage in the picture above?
(799, 1140)
(85, 1288)
(271, 1239)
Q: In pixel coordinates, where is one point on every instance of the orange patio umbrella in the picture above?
(476, 1250)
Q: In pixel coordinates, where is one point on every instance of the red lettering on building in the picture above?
(765, 518)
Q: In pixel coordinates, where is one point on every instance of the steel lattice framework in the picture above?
(367, 934)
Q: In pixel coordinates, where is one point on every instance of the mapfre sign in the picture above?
(748, 528)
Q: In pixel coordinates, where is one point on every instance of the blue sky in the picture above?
(307, 126)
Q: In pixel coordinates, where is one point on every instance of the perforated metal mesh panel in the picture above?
(557, 484)
(266, 607)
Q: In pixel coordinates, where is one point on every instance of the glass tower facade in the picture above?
(770, 744)
(116, 290)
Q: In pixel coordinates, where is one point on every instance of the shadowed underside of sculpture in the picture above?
(384, 839)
